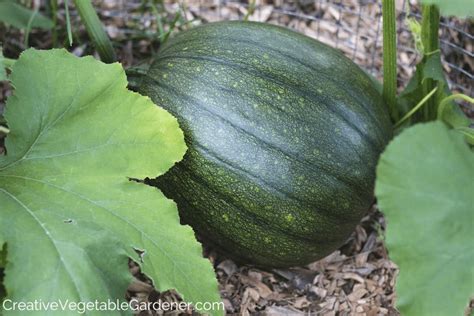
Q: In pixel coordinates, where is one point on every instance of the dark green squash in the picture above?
(283, 133)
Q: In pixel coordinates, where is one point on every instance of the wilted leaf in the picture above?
(425, 188)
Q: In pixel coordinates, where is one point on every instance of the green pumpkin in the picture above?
(283, 132)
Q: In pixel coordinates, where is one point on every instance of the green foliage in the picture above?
(452, 115)
(20, 17)
(390, 58)
(460, 8)
(3, 66)
(424, 186)
(70, 216)
(95, 30)
(429, 68)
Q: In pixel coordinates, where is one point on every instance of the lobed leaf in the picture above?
(69, 214)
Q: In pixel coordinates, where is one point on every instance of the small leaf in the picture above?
(77, 134)
(424, 186)
(459, 8)
(433, 68)
(429, 67)
(18, 16)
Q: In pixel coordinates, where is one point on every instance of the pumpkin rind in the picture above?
(283, 132)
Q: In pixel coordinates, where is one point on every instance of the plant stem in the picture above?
(68, 22)
(95, 30)
(4, 130)
(54, 17)
(8, 62)
(430, 40)
(250, 9)
(390, 57)
(28, 27)
(416, 107)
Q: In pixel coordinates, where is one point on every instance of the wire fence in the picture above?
(355, 27)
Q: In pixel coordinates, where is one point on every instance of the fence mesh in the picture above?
(355, 27)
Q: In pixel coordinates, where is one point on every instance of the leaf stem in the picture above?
(68, 22)
(416, 107)
(250, 9)
(8, 62)
(450, 98)
(430, 40)
(28, 26)
(95, 30)
(54, 17)
(4, 130)
(390, 57)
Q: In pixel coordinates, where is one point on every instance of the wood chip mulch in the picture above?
(357, 279)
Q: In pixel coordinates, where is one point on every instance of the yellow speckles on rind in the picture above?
(225, 217)
(165, 76)
(170, 65)
(265, 56)
(267, 240)
(289, 218)
(198, 69)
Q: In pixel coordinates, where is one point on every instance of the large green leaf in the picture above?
(15, 14)
(460, 8)
(77, 134)
(425, 188)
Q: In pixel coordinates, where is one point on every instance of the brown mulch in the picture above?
(357, 279)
